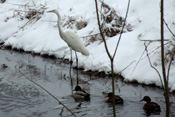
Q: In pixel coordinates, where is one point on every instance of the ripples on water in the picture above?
(17, 99)
(21, 98)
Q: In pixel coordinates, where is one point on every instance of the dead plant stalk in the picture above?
(166, 89)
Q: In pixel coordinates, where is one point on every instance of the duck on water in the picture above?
(150, 107)
(118, 99)
(80, 94)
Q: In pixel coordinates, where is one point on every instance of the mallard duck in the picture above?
(80, 94)
(118, 99)
(150, 107)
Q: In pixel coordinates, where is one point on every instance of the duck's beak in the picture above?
(50, 11)
(141, 100)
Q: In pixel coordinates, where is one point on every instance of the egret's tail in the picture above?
(85, 52)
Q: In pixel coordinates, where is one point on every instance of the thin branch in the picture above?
(125, 67)
(138, 61)
(154, 40)
(157, 48)
(25, 5)
(153, 66)
(90, 35)
(61, 113)
(30, 20)
(169, 66)
(33, 3)
(48, 93)
(168, 28)
(147, 54)
(48, 21)
(101, 33)
(121, 32)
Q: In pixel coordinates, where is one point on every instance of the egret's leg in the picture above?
(71, 56)
(77, 66)
(70, 70)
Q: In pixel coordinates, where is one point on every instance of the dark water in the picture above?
(19, 97)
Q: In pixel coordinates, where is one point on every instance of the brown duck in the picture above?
(150, 107)
(118, 99)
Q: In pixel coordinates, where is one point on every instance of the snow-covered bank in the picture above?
(40, 35)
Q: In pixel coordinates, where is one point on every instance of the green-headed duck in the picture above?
(80, 94)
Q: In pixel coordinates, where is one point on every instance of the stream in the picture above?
(21, 97)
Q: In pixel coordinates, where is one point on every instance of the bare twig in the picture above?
(20, 4)
(153, 66)
(90, 35)
(147, 55)
(168, 28)
(107, 51)
(48, 93)
(125, 67)
(33, 3)
(169, 66)
(121, 32)
(48, 21)
(154, 40)
(26, 5)
(158, 48)
(138, 61)
(101, 33)
(61, 113)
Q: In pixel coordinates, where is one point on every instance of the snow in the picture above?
(41, 35)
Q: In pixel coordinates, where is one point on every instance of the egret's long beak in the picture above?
(50, 11)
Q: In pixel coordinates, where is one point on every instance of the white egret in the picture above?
(71, 38)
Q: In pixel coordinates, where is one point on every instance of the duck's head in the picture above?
(146, 99)
(109, 94)
(77, 88)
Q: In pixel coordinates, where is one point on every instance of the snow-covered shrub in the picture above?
(34, 14)
(81, 24)
(26, 11)
(111, 22)
(170, 50)
(76, 23)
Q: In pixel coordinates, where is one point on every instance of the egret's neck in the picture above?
(58, 23)
(60, 29)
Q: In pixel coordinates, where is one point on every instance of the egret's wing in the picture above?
(75, 43)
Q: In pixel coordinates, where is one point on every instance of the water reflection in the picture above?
(20, 97)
